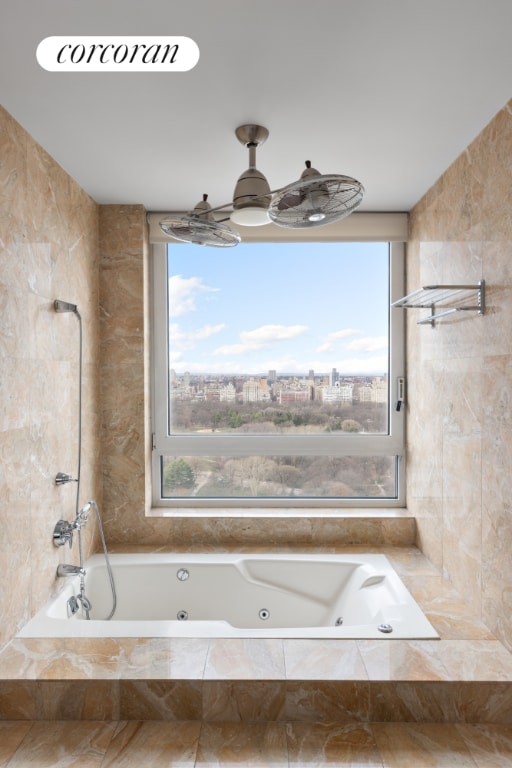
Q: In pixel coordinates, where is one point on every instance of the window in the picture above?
(276, 368)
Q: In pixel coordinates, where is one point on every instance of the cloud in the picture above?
(369, 366)
(368, 344)
(184, 292)
(261, 337)
(182, 340)
(208, 330)
(363, 366)
(177, 334)
(328, 343)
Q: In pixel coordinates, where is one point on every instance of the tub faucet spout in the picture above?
(69, 570)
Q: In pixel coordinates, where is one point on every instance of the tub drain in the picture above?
(386, 628)
(182, 615)
(264, 614)
(339, 621)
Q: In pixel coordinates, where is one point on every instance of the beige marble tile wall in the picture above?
(125, 349)
(48, 250)
(459, 465)
(125, 402)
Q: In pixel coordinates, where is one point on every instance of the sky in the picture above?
(289, 307)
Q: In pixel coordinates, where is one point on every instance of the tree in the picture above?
(287, 475)
(235, 419)
(179, 474)
(251, 471)
(349, 425)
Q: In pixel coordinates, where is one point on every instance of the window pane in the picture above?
(279, 477)
(279, 338)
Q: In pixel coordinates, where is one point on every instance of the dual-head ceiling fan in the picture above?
(314, 200)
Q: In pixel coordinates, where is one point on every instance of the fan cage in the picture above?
(195, 230)
(315, 202)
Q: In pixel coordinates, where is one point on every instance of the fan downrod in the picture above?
(251, 135)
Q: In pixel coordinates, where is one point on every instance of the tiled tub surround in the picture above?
(465, 677)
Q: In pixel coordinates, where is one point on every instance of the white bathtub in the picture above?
(233, 595)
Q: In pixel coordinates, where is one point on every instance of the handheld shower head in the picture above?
(85, 509)
(83, 514)
(64, 306)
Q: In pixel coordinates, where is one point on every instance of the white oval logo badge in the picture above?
(117, 54)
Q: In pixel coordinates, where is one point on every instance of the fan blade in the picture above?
(290, 201)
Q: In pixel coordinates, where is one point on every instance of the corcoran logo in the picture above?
(117, 54)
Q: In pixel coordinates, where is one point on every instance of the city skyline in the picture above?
(279, 374)
(307, 306)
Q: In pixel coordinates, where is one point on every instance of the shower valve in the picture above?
(63, 533)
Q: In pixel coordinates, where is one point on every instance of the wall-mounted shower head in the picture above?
(64, 306)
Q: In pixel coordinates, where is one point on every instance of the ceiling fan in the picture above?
(313, 200)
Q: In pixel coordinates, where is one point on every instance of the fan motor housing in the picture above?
(250, 185)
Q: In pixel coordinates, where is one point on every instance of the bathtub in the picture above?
(234, 595)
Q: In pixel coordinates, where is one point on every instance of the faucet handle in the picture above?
(63, 533)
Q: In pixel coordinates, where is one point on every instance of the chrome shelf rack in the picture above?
(443, 300)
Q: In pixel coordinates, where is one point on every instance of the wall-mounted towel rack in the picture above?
(443, 300)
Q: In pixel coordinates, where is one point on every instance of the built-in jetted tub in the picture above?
(236, 595)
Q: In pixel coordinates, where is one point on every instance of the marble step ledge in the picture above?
(303, 745)
(461, 681)
(257, 701)
(483, 660)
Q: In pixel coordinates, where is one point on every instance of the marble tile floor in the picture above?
(130, 744)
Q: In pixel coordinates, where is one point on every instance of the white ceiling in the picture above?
(387, 91)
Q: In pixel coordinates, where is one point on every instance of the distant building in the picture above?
(228, 393)
(365, 394)
(338, 393)
(376, 392)
(295, 395)
(212, 392)
(255, 391)
(379, 391)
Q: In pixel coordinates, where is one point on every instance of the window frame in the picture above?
(333, 444)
